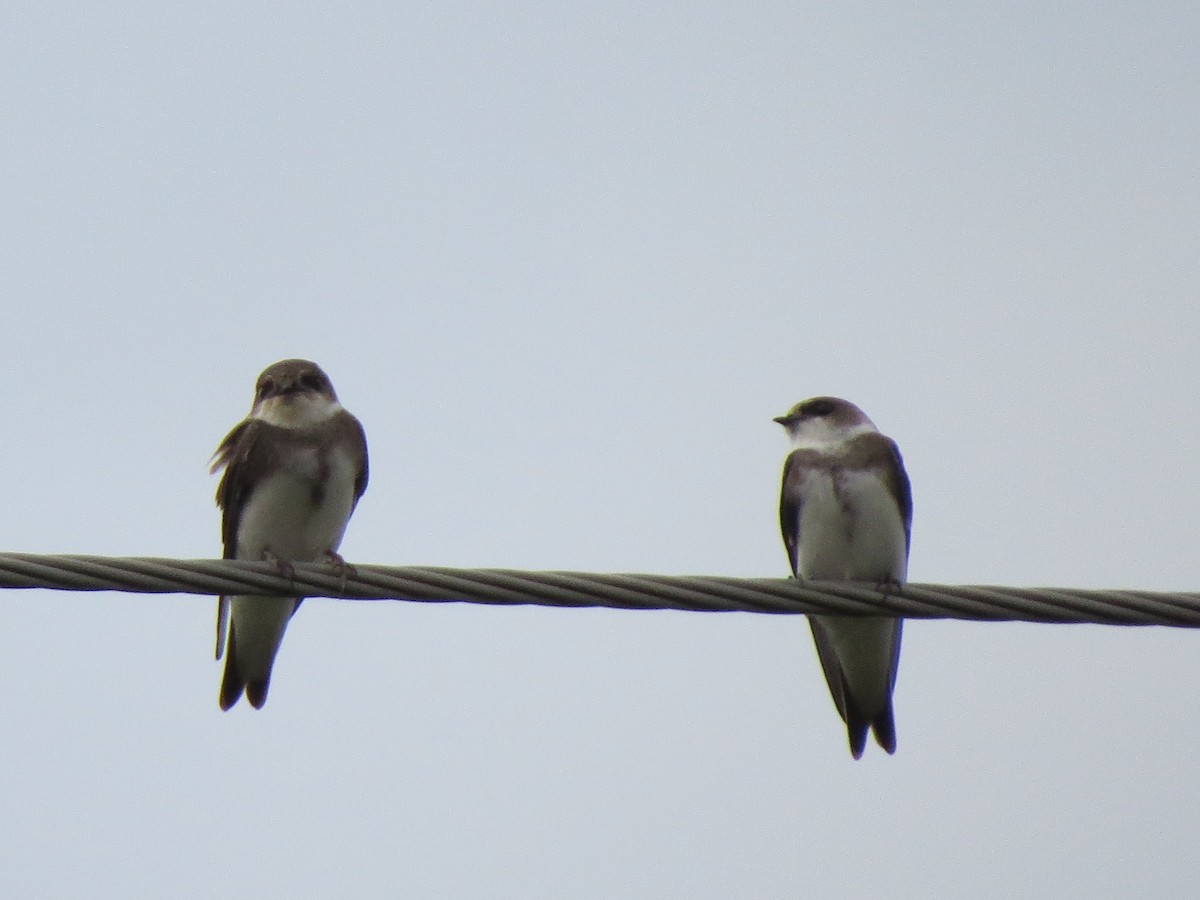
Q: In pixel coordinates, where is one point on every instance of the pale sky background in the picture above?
(565, 262)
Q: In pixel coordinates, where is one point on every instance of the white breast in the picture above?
(851, 529)
(281, 516)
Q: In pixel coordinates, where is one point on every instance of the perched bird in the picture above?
(294, 470)
(846, 514)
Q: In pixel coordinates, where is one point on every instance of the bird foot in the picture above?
(888, 587)
(286, 569)
(344, 569)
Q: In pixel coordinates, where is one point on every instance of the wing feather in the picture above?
(233, 455)
(363, 470)
(791, 503)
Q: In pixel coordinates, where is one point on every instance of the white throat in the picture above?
(818, 434)
(296, 410)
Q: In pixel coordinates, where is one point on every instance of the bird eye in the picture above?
(312, 381)
(266, 387)
(818, 408)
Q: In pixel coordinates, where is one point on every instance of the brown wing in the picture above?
(790, 502)
(235, 456)
(243, 456)
(902, 489)
(359, 436)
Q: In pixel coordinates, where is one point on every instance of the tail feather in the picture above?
(222, 621)
(261, 626)
(857, 732)
(884, 728)
(859, 721)
(256, 692)
(232, 683)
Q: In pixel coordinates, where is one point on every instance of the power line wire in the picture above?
(581, 589)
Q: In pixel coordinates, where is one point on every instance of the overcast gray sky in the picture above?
(565, 262)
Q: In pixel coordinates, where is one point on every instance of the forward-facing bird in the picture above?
(294, 471)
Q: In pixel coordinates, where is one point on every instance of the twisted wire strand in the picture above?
(149, 575)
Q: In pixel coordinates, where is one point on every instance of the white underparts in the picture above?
(850, 529)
